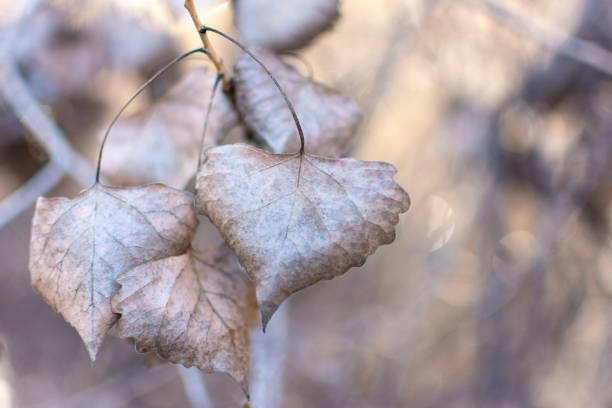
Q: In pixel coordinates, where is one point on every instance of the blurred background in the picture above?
(498, 289)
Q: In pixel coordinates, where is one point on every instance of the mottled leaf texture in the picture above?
(329, 119)
(293, 220)
(283, 25)
(192, 309)
(161, 143)
(79, 246)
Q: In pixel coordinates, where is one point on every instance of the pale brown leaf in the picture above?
(79, 246)
(328, 118)
(192, 309)
(294, 219)
(161, 143)
(283, 25)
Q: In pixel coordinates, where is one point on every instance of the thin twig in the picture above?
(206, 118)
(583, 51)
(207, 45)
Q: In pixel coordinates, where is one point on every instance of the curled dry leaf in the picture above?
(161, 143)
(79, 246)
(329, 119)
(294, 219)
(192, 309)
(283, 25)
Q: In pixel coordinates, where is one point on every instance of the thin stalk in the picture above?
(208, 109)
(204, 29)
(138, 92)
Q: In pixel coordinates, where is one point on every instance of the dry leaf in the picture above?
(192, 309)
(79, 246)
(283, 25)
(294, 219)
(161, 143)
(329, 119)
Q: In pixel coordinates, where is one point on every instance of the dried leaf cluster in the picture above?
(123, 255)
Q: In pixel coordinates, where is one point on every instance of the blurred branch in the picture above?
(195, 387)
(268, 353)
(63, 159)
(401, 40)
(42, 127)
(577, 49)
(20, 200)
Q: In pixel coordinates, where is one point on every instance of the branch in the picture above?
(195, 387)
(268, 353)
(17, 95)
(26, 195)
(42, 128)
(207, 45)
(583, 51)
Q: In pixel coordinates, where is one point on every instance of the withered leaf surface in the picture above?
(192, 309)
(328, 118)
(79, 246)
(294, 219)
(161, 143)
(283, 25)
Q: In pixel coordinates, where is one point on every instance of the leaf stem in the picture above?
(212, 55)
(208, 109)
(138, 92)
(250, 54)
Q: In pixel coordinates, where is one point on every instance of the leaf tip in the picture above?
(266, 310)
(244, 385)
(92, 350)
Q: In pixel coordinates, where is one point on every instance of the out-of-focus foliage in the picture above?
(497, 290)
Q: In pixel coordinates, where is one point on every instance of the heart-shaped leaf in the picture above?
(79, 246)
(192, 309)
(283, 25)
(329, 119)
(295, 219)
(161, 143)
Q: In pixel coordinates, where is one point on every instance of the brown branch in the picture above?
(207, 45)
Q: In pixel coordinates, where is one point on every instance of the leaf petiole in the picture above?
(208, 109)
(138, 92)
(204, 29)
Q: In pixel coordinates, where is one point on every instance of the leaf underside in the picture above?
(294, 219)
(192, 309)
(79, 246)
